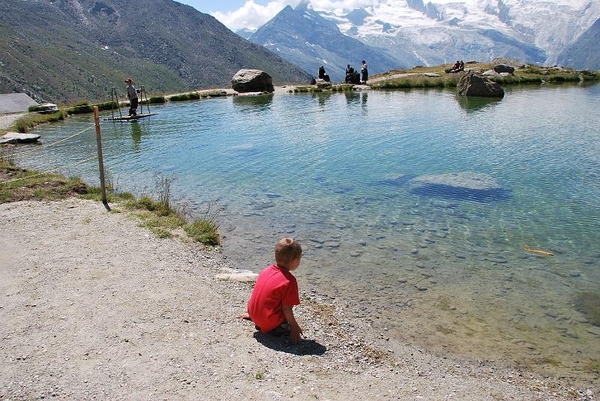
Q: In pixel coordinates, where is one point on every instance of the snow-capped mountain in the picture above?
(480, 25)
(442, 31)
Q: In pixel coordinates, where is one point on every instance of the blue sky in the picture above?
(211, 6)
(236, 14)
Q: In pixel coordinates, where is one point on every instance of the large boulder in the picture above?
(464, 185)
(473, 84)
(252, 81)
(323, 84)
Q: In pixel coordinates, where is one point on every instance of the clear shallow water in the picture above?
(446, 272)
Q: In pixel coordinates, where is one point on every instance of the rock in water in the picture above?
(464, 185)
(473, 84)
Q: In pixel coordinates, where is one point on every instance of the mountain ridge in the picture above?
(64, 51)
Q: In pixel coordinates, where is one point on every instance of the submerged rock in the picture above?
(463, 185)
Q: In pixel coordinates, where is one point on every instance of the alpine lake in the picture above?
(434, 266)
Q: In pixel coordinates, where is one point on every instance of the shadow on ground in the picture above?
(304, 347)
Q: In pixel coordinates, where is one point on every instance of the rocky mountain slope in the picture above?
(439, 32)
(68, 50)
(583, 54)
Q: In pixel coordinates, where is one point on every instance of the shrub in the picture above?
(28, 121)
(157, 100)
(82, 108)
(203, 230)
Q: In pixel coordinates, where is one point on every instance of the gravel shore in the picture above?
(95, 307)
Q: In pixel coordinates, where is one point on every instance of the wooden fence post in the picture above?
(100, 159)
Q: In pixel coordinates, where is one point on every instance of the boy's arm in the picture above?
(288, 312)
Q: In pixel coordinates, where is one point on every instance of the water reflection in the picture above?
(136, 135)
(257, 102)
(470, 103)
(352, 97)
(322, 97)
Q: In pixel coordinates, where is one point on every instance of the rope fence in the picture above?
(49, 171)
(98, 157)
(26, 152)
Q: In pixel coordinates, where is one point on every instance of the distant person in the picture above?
(364, 71)
(132, 96)
(349, 74)
(323, 75)
(456, 67)
(276, 293)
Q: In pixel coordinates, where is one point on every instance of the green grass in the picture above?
(416, 78)
(157, 100)
(203, 230)
(30, 120)
(184, 97)
(157, 215)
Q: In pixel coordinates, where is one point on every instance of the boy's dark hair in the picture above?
(286, 250)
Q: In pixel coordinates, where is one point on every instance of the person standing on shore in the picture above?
(364, 72)
(132, 97)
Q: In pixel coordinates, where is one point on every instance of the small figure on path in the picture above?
(276, 293)
(132, 96)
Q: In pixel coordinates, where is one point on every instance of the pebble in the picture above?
(595, 330)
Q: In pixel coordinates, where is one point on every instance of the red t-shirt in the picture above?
(274, 288)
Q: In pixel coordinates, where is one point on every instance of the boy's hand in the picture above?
(295, 334)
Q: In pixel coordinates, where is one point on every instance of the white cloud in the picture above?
(252, 15)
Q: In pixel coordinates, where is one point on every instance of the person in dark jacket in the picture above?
(364, 71)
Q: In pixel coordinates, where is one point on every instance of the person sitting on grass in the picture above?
(276, 293)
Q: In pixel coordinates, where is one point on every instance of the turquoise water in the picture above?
(333, 170)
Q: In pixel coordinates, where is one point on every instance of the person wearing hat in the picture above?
(132, 96)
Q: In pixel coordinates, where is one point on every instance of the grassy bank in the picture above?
(436, 77)
(154, 212)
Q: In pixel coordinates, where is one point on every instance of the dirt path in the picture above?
(7, 120)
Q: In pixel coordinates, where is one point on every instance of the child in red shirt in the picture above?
(276, 293)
